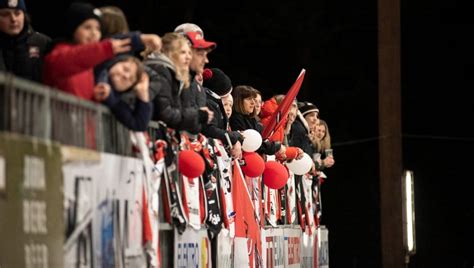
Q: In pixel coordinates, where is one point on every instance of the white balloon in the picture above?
(300, 166)
(252, 140)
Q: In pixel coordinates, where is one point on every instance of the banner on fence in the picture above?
(323, 247)
(282, 247)
(104, 209)
(192, 249)
(31, 218)
(292, 247)
(224, 249)
(309, 250)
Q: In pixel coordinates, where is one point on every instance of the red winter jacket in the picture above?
(70, 67)
(269, 107)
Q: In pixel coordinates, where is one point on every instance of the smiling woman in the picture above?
(125, 73)
(118, 76)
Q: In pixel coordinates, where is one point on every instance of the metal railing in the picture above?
(36, 110)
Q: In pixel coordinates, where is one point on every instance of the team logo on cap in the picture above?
(97, 12)
(12, 3)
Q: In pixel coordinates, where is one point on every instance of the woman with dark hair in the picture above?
(244, 117)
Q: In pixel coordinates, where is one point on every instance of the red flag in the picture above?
(246, 224)
(147, 229)
(284, 107)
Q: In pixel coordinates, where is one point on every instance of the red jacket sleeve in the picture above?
(67, 59)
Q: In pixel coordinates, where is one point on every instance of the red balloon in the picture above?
(275, 175)
(253, 164)
(291, 153)
(190, 164)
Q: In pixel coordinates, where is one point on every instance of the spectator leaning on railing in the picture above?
(70, 64)
(21, 48)
(169, 78)
(218, 85)
(243, 117)
(200, 49)
(118, 76)
(300, 130)
(322, 143)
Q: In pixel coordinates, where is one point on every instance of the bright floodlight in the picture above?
(409, 212)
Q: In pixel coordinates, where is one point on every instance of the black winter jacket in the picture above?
(218, 126)
(23, 54)
(242, 122)
(172, 104)
(299, 136)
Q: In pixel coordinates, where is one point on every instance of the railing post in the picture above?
(99, 136)
(47, 132)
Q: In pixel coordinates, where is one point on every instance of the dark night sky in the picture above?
(336, 42)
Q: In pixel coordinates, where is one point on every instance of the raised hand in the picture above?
(151, 41)
(141, 89)
(121, 45)
(101, 91)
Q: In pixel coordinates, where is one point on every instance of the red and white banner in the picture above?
(291, 209)
(292, 247)
(273, 247)
(224, 163)
(282, 247)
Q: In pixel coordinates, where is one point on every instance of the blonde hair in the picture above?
(172, 43)
(325, 142)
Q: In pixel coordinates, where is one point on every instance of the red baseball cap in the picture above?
(198, 41)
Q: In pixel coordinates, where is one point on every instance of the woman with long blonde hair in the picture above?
(321, 137)
(169, 78)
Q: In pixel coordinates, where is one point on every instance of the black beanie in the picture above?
(16, 4)
(307, 107)
(217, 81)
(76, 14)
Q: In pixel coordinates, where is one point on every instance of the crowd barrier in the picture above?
(35, 110)
(74, 197)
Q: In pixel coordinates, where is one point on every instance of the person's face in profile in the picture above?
(199, 60)
(249, 105)
(312, 119)
(88, 32)
(227, 102)
(258, 104)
